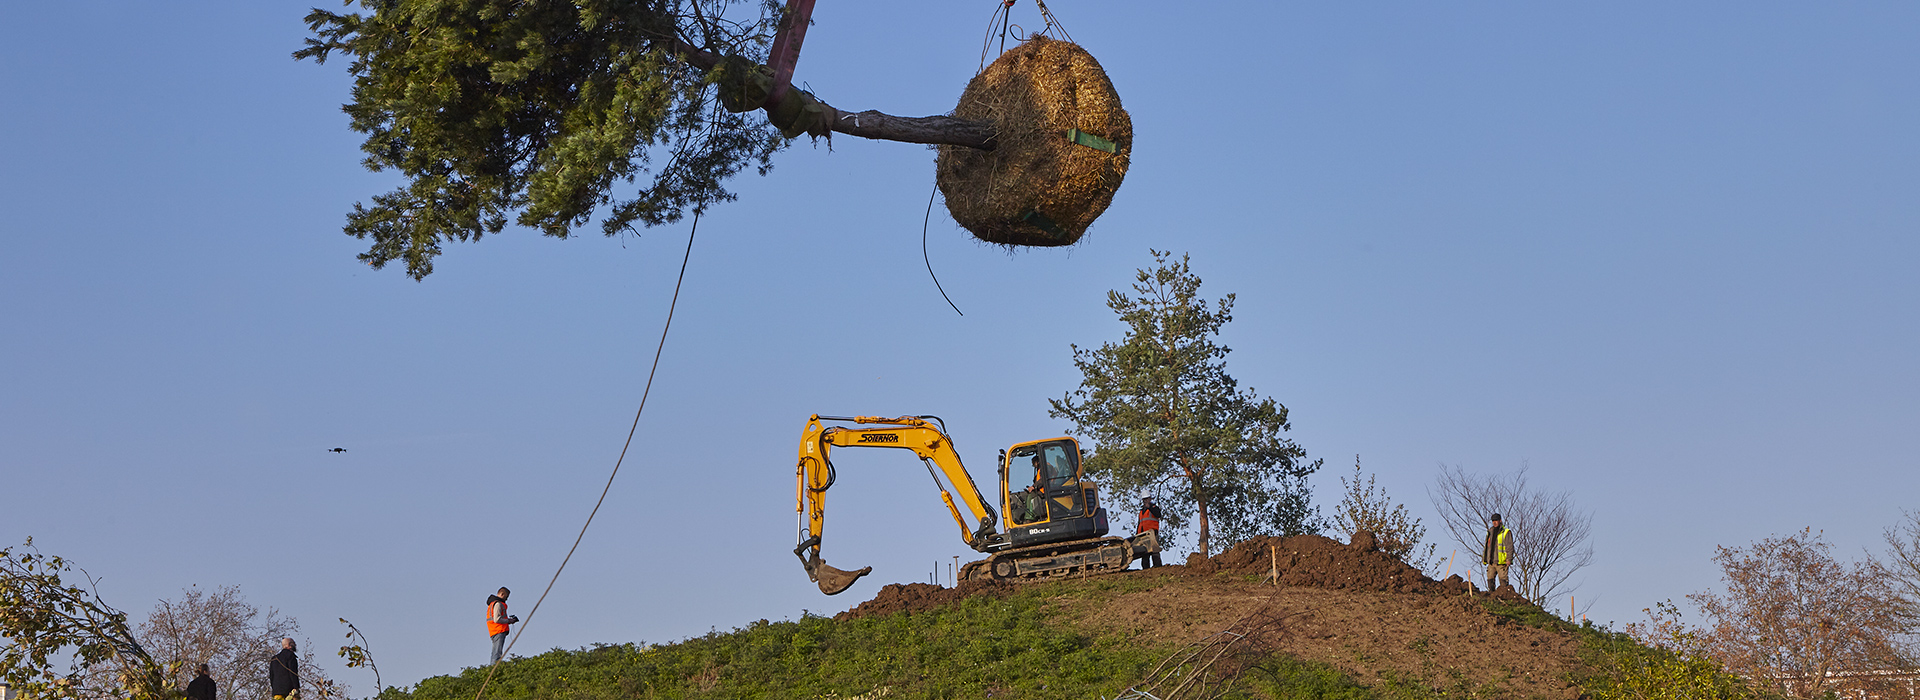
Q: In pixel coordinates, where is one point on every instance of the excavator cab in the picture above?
(1044, 495)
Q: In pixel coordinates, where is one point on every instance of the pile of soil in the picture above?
(1320, 562)
(921, 597)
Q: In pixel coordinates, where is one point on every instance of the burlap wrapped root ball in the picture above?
(1062, 147)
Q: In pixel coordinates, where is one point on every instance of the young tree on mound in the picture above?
(1367, 507)
(1166, 418)
(537, 110)
(1552, 539)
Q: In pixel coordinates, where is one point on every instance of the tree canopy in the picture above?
(548, 113)
(1167, 419)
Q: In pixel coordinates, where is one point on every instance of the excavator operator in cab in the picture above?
(1032, 503)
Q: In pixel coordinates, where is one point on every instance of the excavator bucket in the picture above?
(832, 581)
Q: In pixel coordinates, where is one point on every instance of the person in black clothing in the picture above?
(202, 686)
(283, 672)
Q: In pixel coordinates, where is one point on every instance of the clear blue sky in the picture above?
(1662, 253)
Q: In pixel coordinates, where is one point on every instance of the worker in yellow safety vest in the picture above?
(1497, 554)
(1149, 520)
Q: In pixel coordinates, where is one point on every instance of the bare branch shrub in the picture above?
(1367, 507)
(1903, 561)
(1793, 617)
(233, 638)
(1551, 538)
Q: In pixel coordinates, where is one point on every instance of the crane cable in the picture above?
(616, 463)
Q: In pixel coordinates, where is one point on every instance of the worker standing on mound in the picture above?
(1149, 520)
(1497, 554)
(283, 672)
(499, 622)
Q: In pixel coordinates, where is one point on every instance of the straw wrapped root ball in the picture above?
(1062, 142)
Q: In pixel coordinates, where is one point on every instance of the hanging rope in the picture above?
(928, 259)
(1052, 21)
(995, 24)
(616, 463)
(1001, 23)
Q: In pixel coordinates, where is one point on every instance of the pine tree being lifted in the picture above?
(537, 110)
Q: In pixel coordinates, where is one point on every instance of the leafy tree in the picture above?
(1367, 507)
(44, 619)
(538, 110)
(1166, 418)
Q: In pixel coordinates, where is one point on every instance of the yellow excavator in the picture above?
(1055, 525)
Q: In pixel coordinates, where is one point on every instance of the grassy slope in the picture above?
(980, 647)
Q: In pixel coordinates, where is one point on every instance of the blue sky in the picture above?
(1659, 253)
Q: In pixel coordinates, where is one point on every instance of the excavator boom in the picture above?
(814, 474)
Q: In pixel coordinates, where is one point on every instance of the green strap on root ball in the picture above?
(1091, 141)
(1040, 221)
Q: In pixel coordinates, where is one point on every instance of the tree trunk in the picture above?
(1200, 505)
(937, 129)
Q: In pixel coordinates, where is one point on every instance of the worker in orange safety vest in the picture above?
(499, 622)
(1149, 520)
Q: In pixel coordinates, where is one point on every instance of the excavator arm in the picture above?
(814, 474)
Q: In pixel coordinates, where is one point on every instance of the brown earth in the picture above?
(1349, 606)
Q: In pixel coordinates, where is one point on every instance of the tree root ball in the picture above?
(1061, 150)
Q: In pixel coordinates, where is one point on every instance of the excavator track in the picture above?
(1056, 560)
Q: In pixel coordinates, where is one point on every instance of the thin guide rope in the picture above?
(929, 259)
(616, 463)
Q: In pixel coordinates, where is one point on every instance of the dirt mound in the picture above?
(1319, 562)
(1302, 560)
(921, 597)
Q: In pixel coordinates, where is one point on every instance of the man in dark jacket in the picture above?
(283, 672)
(202, 686)
(1497, 553)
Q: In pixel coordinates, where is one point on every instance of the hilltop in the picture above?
(1342, 621)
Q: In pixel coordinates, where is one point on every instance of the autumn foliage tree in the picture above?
(1903, 561)
(1167, 419)
(1796, 619)
(232, 636)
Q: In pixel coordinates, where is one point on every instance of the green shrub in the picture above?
(1624, 669)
